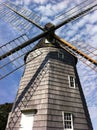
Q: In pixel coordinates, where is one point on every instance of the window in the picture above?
(71, 81)
(60, 55)
(67, 121)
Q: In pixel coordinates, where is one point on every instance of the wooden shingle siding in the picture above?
(47, 75)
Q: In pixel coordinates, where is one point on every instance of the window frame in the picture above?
(61, 55)
(74, 86)
(72, 127)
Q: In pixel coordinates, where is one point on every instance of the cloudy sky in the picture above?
(83, 30)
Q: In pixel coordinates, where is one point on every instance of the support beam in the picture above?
(45, 33)
(31, 21)
(23, 45)
(77, 16)
(75, 50)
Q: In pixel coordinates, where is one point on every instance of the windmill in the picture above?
(59, 51)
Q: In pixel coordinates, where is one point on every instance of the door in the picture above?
(27, 121)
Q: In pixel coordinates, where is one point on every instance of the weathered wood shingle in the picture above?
(45, 87)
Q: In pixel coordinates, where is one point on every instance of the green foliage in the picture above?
(4, 111)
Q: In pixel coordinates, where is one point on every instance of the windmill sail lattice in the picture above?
(77, 10)
(18, 16)
(13, 11)
(84, 52)
(16, 60)
(88, 50)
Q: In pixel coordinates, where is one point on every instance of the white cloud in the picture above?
(93, 17)
(27, 2)
(93, 110)
(40, 1)
(45, 10)
(49, 9)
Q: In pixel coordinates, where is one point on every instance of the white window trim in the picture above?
(71, 121)
(73, 81)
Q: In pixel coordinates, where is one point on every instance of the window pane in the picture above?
(68, 121)
(71, 81)
(72, 84)
(60, 55)
(71, 78)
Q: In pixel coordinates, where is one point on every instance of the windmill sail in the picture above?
(25, 44)
(88, 50)
(86, 53)
(77, 9)
(52, 29)
(18, 17)
(77, 15)
(16, 60)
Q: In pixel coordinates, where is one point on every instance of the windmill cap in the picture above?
(45, 43)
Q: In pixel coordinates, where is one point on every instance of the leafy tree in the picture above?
(4, 111)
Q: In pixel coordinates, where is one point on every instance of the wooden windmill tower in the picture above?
(50, 96)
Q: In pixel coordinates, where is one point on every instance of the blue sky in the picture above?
(84, 30)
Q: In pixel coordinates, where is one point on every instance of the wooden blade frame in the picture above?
(21, 13)
(20, 18)
(73, 50)
(16, 60)
(49, 32)
(73, 11)
(45, 33)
